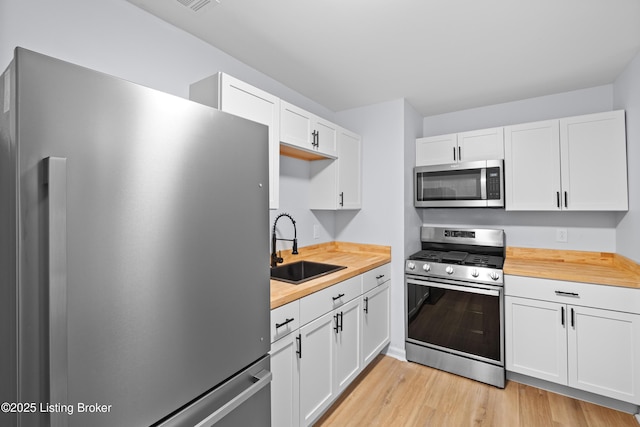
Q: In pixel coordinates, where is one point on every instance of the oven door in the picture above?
(456, 317)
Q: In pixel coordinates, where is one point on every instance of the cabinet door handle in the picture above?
(573, 318)
(567, 294)
(341, 321)
(566, 204)
(454, 154)
(338, 297)
(562, 316)
(558, 199)
(299, 342)
(342, 198)
(336, 317)
(286, 322)
(366, 305)
(459, 154)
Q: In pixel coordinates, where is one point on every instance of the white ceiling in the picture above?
(441, 55)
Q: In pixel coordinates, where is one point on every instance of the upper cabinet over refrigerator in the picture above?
(234, 96)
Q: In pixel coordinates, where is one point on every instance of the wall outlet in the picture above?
(561, 235)
(316, 231)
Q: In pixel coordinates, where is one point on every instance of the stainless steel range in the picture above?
(455, 302)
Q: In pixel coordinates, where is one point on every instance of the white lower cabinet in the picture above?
(604, 353)
(347, 336)
(375, 322)
(317, 365)
(285, 385)
(340, 332)
(584, 347)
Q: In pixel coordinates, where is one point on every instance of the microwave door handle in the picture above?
(483, 184)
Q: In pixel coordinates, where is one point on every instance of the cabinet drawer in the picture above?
(575, 293)
(375, 277)
(321, 302)
(284, 320)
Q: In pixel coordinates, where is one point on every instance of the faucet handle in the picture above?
(279, 259)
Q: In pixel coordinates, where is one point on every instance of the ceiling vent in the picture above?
(198, 5)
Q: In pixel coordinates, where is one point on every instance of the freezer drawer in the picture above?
(243, 400)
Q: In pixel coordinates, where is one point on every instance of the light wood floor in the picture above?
(395, 393)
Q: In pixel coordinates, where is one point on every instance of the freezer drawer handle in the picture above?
(56, 179)
(263, 379)
(286, 322)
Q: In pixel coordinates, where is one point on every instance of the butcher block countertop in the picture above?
(602, 268)
(358, 258)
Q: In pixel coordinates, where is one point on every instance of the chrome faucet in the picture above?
(275, 259)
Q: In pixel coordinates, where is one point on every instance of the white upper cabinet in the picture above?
(576, 163)
(436, 150)
(337, 184)
(532, 166)
(241, 99)
(484, 144)
(593, 157)
(307, 132)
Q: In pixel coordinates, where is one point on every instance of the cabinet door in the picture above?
(532, 166)
(536, 338)
(604, 352)
(375, 322)
(296, 126)
(326, 137)
(349, 170)
(316, 368)
(436, 150)
(285, 386)
(594, 162)
(347, 338)
(485, 144)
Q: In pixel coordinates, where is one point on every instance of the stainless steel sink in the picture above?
(302, 271)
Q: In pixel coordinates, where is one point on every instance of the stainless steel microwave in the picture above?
(460, 185)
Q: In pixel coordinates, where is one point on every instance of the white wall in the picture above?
(118, 38)
(627, 96)
(381, 219)
(589, 231)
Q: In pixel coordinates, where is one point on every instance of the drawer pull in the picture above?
(286, 322)
(379, 277)
(567, 294)
(338, 297)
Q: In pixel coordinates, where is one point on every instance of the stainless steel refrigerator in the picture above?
(133, 255)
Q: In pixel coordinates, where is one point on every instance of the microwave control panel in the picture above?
(493, 183)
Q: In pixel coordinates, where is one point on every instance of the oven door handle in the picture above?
(481, 291)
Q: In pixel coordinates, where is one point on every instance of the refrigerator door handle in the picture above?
(56, 180)
(263, 379)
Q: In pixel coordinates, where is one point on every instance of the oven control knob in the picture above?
(494, 275)
(426, 267)
(449, 269)
(475, 272)
(411, 265)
